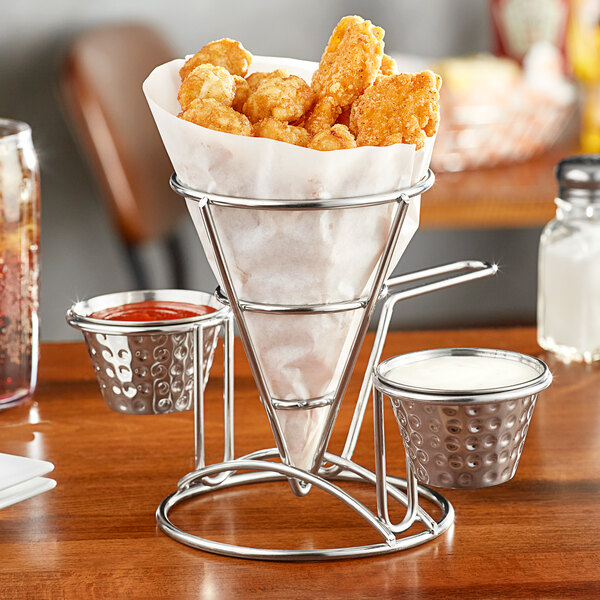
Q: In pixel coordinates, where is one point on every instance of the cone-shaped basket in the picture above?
(302, 275)
(302, 347)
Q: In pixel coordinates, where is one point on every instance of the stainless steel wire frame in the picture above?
(228, 398)
(239, 306)
(224, 475)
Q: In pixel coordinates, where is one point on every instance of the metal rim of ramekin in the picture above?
(78, 315)
(467, 396)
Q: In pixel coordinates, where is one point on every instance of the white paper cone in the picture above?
(303, 430)
(291, 257)
(308, 350)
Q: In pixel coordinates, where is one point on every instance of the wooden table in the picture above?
(515, 195)
(94, 535)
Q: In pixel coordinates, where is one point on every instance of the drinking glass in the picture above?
(19, 263)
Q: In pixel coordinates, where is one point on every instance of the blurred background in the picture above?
(83, 253)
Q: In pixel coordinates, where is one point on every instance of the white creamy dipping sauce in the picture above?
(461, 373)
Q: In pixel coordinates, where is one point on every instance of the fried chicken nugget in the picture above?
(283, 98)
(278, 130)
(388, 66)
(337, 137)
(225, 53)
(323, 115)
(350, 62)
(242, 92)
(344, 118)
(398, 108)
(214, 115)
(207, 81)
(255, 79)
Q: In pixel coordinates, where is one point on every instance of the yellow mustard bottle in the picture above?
(583, 47)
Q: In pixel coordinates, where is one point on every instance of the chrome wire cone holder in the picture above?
(257, 466)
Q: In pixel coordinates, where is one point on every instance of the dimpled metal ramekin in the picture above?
(147, 367)
(463, 439)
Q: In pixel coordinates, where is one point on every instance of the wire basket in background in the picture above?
(487, 134)
(495, 111)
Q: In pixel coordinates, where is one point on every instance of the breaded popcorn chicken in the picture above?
(344, 118)
(356, 97)
(255, 79)
(225, 53)
(323, 115)
(283, 98)
(388, 66)
(337, 137)
(207, 81)
(278, 130)
(398, 108)
(350, 62)
(242, 91)
(213, 114)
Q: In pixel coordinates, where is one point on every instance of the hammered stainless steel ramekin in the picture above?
(470, 438)
(147, 367)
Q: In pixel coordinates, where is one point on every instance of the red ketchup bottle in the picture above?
(517, 25)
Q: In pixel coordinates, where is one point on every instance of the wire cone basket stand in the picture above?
(258, 467)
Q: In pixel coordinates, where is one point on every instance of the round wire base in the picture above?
(202, 482)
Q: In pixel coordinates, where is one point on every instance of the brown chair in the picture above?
(101, 84)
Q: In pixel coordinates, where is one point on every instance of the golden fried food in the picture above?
(242, 91)
(225, 53)
(398, 108)
(283, 98)
(344, 118)
(207, 81)
(213, 114)
(388, 66)
(255, 79)
(337, 137)
(350, 62)
(356, 97)
(323, 115)
(278, 130)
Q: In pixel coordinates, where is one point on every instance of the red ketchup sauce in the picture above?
(152, 310)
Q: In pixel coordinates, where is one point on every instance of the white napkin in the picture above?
(21, 478)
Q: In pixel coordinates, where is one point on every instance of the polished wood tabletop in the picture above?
(95, 534)
(513, 195)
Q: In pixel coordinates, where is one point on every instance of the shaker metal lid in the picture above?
(14, 131)
(579, 178)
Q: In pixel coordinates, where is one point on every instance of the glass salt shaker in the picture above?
(19, 262)
(569, 264)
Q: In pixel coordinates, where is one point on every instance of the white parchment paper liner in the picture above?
(291, 257)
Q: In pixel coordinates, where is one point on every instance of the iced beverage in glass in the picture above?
(19, 262)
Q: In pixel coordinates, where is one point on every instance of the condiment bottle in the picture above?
(569, 264)
(518, 25)
(583, 43)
